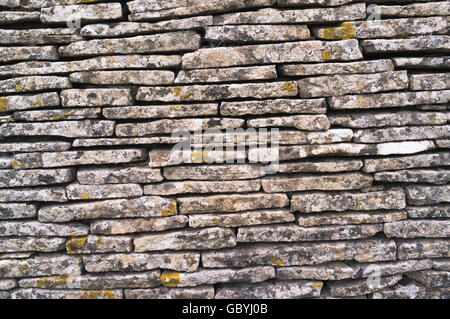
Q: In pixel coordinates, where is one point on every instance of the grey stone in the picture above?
(411, 9)
(8, 54)
(36, 293)
(172, 188)
(422, 248)
(96, 97)
(201, 292)
(118, 175)
(417, 228)
(47, 194)
(437, 211)
(35, 177)
(424, 62)
(431, 278)
(329, 271)
(301, 122)
(39, 36)
(348, 218)
(425, 43)
(99, 244)
(264, 72)
(214, 172)
(438, 176)
(35, 228)
(31, 244)
(55, 115)
(10, 17)
(87, 192)
(161, 111)
(123, 77)
(361, 286)
(7, 284)
(429, 81)
(405, 162)
(84, 12)
(34, 83)
(424, 195)
(380, 135)
(17, 211)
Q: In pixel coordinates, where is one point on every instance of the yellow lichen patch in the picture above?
(75, 243)
(16, 164)
(343, 32)
(293, 200)
(215, 220)
(38, 102)
(52, 281)
(326, 54)
(176, 106)
(198, 157)
(169, 211)
(317, 284)
(176, 91)
(94, 294)
(3, 104)
(99, 241)
(184, 95)
(55, 117)
(276, 261)
(170, 278)
(85, 195)
(108, 294)
(22, 267)
(17, 87)
(288, 86)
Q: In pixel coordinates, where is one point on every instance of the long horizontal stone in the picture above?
(214, 172)
(95, 282)
(24, 102)
(21, 255)
(374, 66)
(379, 135)
(19, 244)
(264, 72)
(318, 166)
(123, 77)
(301, 122)
(125, 226)
(404, 162)
(276, 290)
(35, 177)
(34, 83)
(44, 265)
(297, 254)
(37, 293)
(183, 261)
(209, 238)
(342, 201)
(361, 286)
(366, 119)
(424, 195)
(312, 106)
(417, 228)
(333, 85)
(169, 126)
(165, 42)
(231, 203)
(47, 194)
(215, 92)
(147, 206)
(118, 175)
(346, 218)
(325, 3)
(9, 54)
(306, 51)
(39, 36)
(395, 99)
(441, 264)
(109, 30)
(161, 111)
(10, 17)
(329, 271)
(293, 233)
(293, 183)
(7, 284)
(96, 97)
(423, 62)
(74, 158)
(436, 211)
(411, 9)
(241, 219)
(215, 276)
(17, 211)
(55, 115)
(389, 268)
(319, 137)
(425, 43)
(39, 4)
(423, 248)
(84, 12)
(86, 192)
(429, 81)
(271, 15)
(431, 278)
(438, 176)
(99, 244)
(34, 228)
(172, 188)
(168, 157)
(202, 292)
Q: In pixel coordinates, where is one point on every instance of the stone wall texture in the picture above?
(351, 200)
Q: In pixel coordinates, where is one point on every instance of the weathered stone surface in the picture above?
(307, 51)
(55, 115)
(437, 211)
(84, 12)
(35, 177)
(15, 255)
(6, 284)
(96, 97)
(38, 4)
(401, 134)
(215, 276)
(330, 271)
(333, 85)
(425, 62)
(441, 264)
(388, 268)
(118, 175)
(10, 17)
(161, 111)
(410, 10)
(425, 43)
(395, 99)
(16, 211)
(337, 68)
(293, 254)
(276, 290)
(34, 228)
(241, 219)
(31, 244)
(123, 77)
(36, 293)
(319, 166)
(39, 36)
(406, 289)
(50, 194)
(431, 278)
(184, 261)
(323, 137)
(326, 3)
(366, 119)
(417, 228)
(202, 292)
(347, 218)
(133, 28)
(423, 248)
(172, 188)
(423, 195)
(301, 122)
(404, 162)
(430, 81)
(292, 233)
(72, 158)
(98, 282)
(44, 265)
(443, 143)
(99, 244)
(125, 226)
(147, 206)
(273, 106)
(231, 203)
(270, 15)
(342, 201)
(438, 176)
(361, 286)
(8, 54)
(34, 83)
(209, 238)
(165, 42)
(87, 192)
(293, 183)
(215, 172)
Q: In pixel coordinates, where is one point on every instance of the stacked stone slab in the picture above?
(348, 198)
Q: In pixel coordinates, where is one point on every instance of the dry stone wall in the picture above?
(346, 196)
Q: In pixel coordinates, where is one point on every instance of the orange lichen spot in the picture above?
(343, 32)
(100, 242)
(16, 164)
(94, 294)
(293, 200)
(215, 220)
(108, 294)
(51, 281)
(198, 157)
(288, 86)
(38, 102)
(326, 54)
(171, 210)
(3, 104)
(176, 90)
(184, 95)
(170, 278)
(17, 87)
(74, 244)
(276, 261)
(85, 195)
(176, 106)
(317, 284)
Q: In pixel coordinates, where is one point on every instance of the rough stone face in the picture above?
(438, 211)
(404, 162)
(368, 270)
(99, 244)
(55, 115)
(417, 228)
(423, 195)
(431, 278)
(441, 264)
(307, 51)
(34, 83)
(319, 166)
(347, 218)
(361, 286)
(39, 36)
(202, 292)
(405, 289)
(209, 238)
(7, 284)
(425, 62)
(96, 97)
(35, 177)
(34, 228)
(165, 42)
(342, 201)
(17, 211)
(301, 122)
(183, 261)
(423, 248)
(426, 43)
(85, 12)
(172, 188)
(123, 77)
(329, 271)
(31, 244)
(413, 9)
(264, 72)
(10, 17)
(432, 81)
(161, 111)
(87, 192)
(216, 172)
(8, 54)
(401, 134)
(147, 206)
(48, 194)
(118, 175)
(36, 293)
(277, 290)
(416, 176)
